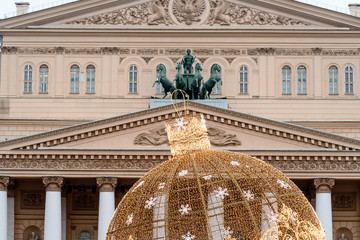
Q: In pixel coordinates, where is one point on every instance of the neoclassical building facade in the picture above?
(81, 118)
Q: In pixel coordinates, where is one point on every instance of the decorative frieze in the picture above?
(106, 184)
(83, 201)
(344, 201)
(53, 183)
(4, 182)
(147, 51)
(324, 185)
(32, 199)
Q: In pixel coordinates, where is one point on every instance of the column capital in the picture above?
(53, 183)
(106, 184)
(324, 185)
(4, 182)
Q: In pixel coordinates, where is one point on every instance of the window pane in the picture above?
(133, 77)
(28, 79)
(90, 79)
(286, 80)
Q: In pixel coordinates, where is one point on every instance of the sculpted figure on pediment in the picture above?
(188, 11)
(226, 13)
(158, 136)
(153, 13)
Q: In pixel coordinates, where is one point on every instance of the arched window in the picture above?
(85, 236)
(217, 88)
(28, 79)
(301, 72)
(133, 79)
(333, 80)
(159, 88)
(90, 79)
(44, 78)
(74, 79)
(286, 80)
(243, 80)
(349, 80)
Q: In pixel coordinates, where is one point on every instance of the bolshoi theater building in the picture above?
(82, 113)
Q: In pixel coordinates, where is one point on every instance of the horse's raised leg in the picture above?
(165, 95)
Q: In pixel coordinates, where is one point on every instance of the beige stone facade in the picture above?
(69, 106)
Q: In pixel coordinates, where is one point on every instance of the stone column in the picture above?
(4, 182)
(53, 208)
(106, 203)
(323, 203)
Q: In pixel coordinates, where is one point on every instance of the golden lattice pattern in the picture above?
(217, 195)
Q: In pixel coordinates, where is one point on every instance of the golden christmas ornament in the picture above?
(204, 194)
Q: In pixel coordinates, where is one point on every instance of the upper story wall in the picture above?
(268, 72)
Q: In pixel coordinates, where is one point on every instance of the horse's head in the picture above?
(160, 68)
(215, 68)
(198, 67)
(178, 66)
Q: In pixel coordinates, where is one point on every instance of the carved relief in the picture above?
(32, 199)
(220, 138)
(147, 51)
(147, 59)
(158, 137)
(155, 137)
(175, 51)
(324, 185)
(106, 184)
(226, 13)
(4, 182)
(53, 183)
(344, 201)
(230, 60)
(9, 50)
(84, 201)
(36, 51)
(203, 51)
(230, 51)
(188, 11)
(86, 51)
(109, 50)
(202, 60)
(175, 60)
(152, 13)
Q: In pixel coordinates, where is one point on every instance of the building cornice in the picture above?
(235, 119)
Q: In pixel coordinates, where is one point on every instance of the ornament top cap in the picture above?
(187, 134)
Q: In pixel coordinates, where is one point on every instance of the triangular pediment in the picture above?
(144, 130)
(188, 14)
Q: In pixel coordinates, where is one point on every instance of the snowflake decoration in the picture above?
(161, 185)
(208, 177)
(150, 203)
(180, 124)
(188, 236)
(283, 184)
(273, 217)
(129, 219)
(185, 209)
(235, 163)
(221, 193)
(183, 173)
(227, 232)
(139, 185)
(248, 195)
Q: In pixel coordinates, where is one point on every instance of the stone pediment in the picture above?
(184, 14)
(189, 13)
(145, 130)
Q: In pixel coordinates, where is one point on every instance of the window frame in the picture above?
(74, 85)
(28, 79)
(44, 79)
(86, 237)
(286, 80)
(349, 80)
(333, 80)
(133, 79)
(244, 80)
(302, 80)
(90, 79)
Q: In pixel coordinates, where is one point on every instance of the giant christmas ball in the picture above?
(208, 194)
